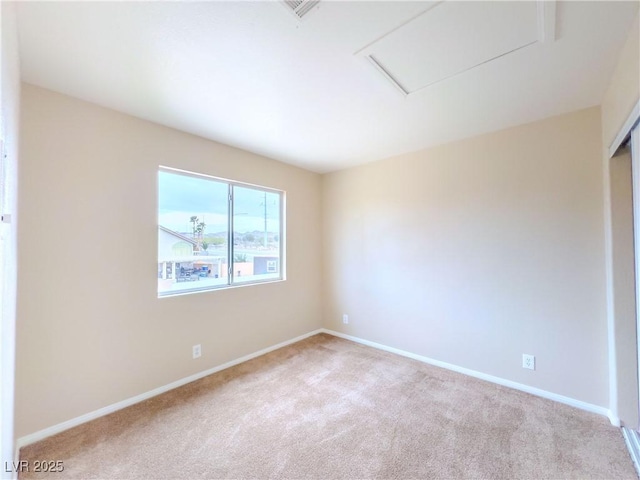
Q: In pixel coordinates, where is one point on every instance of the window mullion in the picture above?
(230, 236)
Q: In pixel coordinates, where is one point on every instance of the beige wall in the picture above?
(476, 252)
(624, 295)
(471, 253)
(624, 87)
(9, 125)
(91, 331)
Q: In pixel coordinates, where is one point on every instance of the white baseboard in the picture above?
(615, 421)
(74, 422)
(483, 376)
(87, 417)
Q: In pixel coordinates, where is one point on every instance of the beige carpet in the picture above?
(328, 408)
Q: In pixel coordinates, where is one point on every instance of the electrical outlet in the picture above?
(345, 318)
(197, 351)
(528, 361)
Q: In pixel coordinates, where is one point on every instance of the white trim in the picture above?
(387, 75)
(610, 304)
(626, 129)
(483, 376)
(398, 27)
(87, 417)
(546, 11)
(74, 422)
(633, 445)
(16, 459)
(206, 176)
(627, 126)
(545, 33)
(613, 418)
(635, 191)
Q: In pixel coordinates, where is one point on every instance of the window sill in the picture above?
(188, 288)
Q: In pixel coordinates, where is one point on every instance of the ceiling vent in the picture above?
(300, 7)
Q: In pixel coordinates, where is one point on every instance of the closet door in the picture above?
(635, 170)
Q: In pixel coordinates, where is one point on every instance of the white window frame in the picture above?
(231, 282)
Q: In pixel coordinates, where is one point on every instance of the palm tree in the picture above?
(197, 230)
(194, 222)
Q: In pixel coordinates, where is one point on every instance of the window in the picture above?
(214, 233)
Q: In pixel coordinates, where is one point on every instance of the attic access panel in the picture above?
(452, 37)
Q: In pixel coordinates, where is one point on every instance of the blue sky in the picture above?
(182, 196)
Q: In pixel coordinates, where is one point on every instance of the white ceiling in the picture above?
(251, 75)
